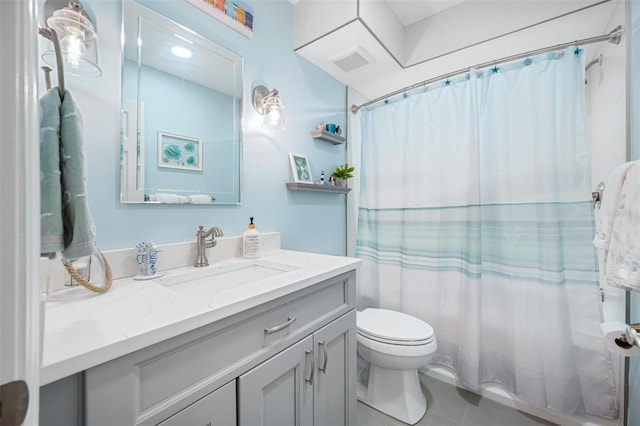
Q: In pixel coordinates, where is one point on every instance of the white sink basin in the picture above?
(205, 281)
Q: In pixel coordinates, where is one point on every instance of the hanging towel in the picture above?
(622, 264)
(609, 205)
(66, 223)
(51, 241)
(79, 229)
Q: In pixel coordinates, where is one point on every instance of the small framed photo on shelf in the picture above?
(179, 152)
(300, 168)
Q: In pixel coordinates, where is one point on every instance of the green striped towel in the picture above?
(65, 205)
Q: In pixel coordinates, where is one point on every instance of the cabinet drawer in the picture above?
(216, 409)
(173, 374)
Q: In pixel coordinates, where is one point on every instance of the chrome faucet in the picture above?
(202, 244)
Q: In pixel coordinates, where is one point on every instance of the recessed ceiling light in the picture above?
(181, 52)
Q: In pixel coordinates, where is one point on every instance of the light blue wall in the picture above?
(308, 221)
(194, 111)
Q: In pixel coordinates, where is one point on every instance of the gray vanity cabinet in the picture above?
(310, 383)
(279, 391)
(334, 395)
(216, 409)
(253, 363)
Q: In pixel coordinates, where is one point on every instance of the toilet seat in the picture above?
(393, 328)
(401, 351)
(396, 341)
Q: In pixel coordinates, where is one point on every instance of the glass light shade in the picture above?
(78, 43)
(273, 116)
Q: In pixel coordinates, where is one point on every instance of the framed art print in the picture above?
(300, 168)
(179, 152)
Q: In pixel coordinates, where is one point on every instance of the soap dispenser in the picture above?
(251, 242)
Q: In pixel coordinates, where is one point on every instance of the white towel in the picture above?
(199, 199)
(168, 198)
(622, 263)
(609, 205)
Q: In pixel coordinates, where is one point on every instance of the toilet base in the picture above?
(396, 393)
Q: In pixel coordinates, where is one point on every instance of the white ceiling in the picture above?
(460, 35)
(411, 11)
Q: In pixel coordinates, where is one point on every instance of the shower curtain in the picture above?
(475, 216)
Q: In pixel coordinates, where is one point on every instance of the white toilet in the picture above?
(395, 345)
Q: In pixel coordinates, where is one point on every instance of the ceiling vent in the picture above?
(352, 59)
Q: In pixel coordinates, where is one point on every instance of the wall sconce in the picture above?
(77, 35)
(269, 106)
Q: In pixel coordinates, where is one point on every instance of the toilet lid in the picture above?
(392, 326)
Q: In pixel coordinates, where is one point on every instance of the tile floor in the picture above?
(448, 405)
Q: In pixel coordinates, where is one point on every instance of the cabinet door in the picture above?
(216, 409)
(335, 383)
(279, 392)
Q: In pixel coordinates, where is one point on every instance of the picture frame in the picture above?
(300, 168)
(179, 152)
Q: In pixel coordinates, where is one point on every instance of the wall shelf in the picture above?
(221, 16)
(323, 135)
(297, 186)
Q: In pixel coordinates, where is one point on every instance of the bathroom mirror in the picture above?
(181, 114)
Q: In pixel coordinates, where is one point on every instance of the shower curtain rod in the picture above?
(613, 37)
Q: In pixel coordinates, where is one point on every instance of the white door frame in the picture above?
(20, 194)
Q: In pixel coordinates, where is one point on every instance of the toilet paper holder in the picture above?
(630, 337)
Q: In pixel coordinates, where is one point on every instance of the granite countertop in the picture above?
(84, 329)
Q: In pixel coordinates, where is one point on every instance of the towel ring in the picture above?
(108, 277)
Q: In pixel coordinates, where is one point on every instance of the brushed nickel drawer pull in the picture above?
(313, 366)
(271, 330)
(325, 356)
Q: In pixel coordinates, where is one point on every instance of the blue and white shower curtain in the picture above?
(475, 215)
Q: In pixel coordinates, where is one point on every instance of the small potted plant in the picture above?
(342, 173)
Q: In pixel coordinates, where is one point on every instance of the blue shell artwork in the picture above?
(179, 152)
(172, 152)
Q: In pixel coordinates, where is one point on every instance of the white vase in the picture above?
(341, 183)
